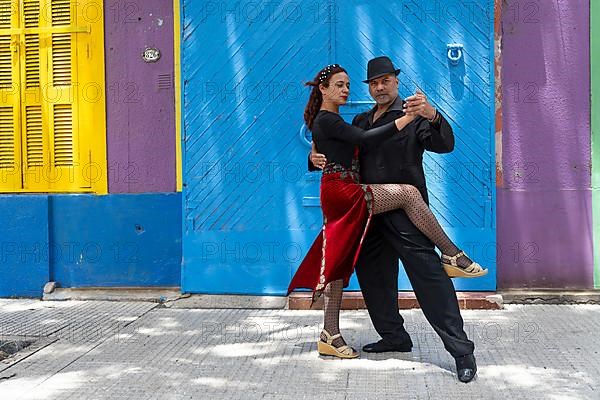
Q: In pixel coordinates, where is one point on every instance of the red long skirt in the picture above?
(347, 210)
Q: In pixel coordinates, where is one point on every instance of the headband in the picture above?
(326, 72)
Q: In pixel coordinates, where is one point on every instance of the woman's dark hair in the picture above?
(316, 98)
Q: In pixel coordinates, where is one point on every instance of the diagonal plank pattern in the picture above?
(248, 215)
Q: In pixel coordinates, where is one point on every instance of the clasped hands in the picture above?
(414, 105)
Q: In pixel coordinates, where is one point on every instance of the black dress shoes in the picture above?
(383, 346)
(466, 368)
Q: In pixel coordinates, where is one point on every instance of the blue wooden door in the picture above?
(250, 208)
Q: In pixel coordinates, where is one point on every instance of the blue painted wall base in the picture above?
(24, 250)
(129, 240)
(116, 240)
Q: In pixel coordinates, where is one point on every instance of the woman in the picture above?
(348, 205)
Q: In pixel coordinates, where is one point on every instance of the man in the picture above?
(392, 235)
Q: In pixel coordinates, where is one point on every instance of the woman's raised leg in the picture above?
(387, 197)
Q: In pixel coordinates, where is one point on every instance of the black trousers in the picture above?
(391, 236)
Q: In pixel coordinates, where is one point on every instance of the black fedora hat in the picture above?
(380, 66)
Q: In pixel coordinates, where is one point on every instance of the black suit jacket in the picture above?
(399, 159)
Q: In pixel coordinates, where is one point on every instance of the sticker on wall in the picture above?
(151, 55)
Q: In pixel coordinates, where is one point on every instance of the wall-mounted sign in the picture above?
(151, 55)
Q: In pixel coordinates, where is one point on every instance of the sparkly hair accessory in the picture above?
(326, 72)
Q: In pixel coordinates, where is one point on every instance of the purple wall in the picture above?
(544, 206)
(140, 97)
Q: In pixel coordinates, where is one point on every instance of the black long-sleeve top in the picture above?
(336, 138)
(399, 159)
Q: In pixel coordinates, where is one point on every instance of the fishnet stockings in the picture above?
(332, 305)
(387, 197)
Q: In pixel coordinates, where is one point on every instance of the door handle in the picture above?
(305, 136)
(455, 52)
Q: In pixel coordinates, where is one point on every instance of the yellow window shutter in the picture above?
(89, 110)
(50, 56)
(34, 135)
(10, 127)
(49, 99)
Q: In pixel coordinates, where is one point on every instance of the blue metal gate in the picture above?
(251, 210)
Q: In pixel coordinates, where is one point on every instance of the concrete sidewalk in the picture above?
(136, 350)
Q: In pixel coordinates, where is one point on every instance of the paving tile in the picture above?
(141, 351)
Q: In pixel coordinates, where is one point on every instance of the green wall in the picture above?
(595, 76)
